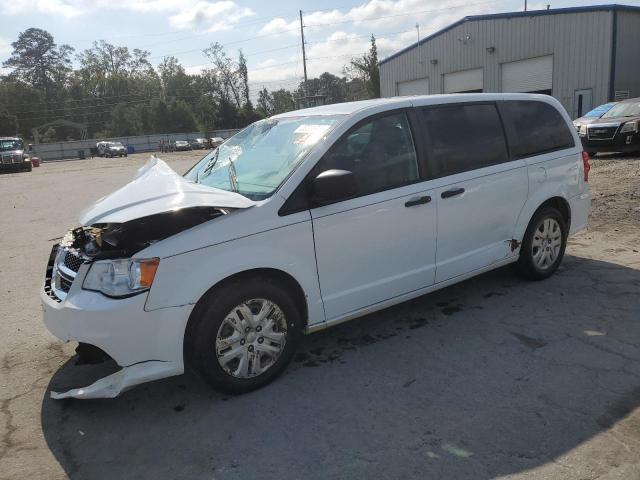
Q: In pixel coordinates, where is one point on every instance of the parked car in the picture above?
(590, 117)
(216, 141)
(13, 156)
(199, 143)
(308, 219)
(111, 149)
(180, 146)
(618, 130)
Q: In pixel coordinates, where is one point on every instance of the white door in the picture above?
(480, 192)
(419, 86)
(528, 76)
(465, 81)
(382, 243)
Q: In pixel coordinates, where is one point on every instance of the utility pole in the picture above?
(304, 55)
(418, 29)
(525, 5)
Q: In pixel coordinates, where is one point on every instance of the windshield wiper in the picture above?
(233, 176)
(209, 167)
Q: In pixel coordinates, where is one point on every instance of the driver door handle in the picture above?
(452, 193)
(418, 201)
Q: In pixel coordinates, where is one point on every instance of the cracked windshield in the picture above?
(254, 162)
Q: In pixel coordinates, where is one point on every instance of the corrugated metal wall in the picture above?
(579, 42)
(627, 76)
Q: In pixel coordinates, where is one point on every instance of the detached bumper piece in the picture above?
(113, 385)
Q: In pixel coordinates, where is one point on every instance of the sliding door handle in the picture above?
(418, 201)
(452, 193)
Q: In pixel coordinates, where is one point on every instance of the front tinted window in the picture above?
(464, 137)
(380, 153)
(534, 128)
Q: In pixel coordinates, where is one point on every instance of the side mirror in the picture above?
(333, 185)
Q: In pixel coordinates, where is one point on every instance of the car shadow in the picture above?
(490, 377)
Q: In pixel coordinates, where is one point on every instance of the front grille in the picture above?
(601, 133)
(61, 272)
(9, 159)
(72, 261)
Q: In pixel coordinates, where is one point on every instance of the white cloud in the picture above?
(189, 14)
(212, 16)
(64, 8)
(378, 14)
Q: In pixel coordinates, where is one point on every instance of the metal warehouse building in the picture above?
(583, 56)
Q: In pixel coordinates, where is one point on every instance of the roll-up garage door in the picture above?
(527, 76)
(465, 81)
(419, 86)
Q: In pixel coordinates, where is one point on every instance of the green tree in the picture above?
(181, 117)
(125, 121)
(37, 61)
(265, 103)
(282, 101)
(8, 123)
(367, 68)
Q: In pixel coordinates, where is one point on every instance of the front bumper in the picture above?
(14, 167)
(148, 345)
(622, 142)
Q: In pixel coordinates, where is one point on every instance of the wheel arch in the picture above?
(558, 202)
(280, 276)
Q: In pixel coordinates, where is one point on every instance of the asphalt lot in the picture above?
(492, 378)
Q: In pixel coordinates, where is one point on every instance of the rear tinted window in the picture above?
(534, 128)
(464, 137)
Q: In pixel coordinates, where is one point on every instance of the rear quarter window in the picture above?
(534, 128)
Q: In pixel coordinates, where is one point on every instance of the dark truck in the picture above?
(13, 156)
(618, 130)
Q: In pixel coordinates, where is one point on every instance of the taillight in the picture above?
(587, 167)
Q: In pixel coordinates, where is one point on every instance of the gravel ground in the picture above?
(491, 378)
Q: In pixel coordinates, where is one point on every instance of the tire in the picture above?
(213, 319)
(531, 265)
(29, 168)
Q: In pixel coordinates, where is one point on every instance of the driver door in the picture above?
(382, 243)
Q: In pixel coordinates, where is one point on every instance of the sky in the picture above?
(268, 32)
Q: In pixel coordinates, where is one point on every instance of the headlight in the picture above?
(630, 127)
(122, 277)
(583, 129)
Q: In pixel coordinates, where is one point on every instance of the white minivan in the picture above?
(307, 219)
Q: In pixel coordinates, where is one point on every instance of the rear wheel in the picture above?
(244, 335)
(543, 245)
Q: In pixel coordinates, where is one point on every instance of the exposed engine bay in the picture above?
(119, 240)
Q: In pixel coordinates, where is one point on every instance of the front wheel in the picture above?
(244, 335)
(543, 245)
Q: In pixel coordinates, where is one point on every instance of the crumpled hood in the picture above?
(157, 188)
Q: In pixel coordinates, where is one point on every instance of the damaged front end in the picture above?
(97, 274)
(103, 241)
(95, 252)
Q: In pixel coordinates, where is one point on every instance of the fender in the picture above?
(289, 249)
(551, 178)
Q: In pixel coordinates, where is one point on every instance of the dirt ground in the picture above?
(492, 378)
